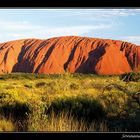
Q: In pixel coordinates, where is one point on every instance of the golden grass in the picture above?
(6, 125)
(38, 92)
(65, 122)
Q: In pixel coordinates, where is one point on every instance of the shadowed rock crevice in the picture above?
(131, 53)
(24, 64)
(50, 50)
(71, 57)
(93, 57)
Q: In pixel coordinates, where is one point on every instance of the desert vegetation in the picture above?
(69, 102)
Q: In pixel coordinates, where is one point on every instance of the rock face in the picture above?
(70, 53)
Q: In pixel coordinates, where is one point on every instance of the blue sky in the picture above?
(118, 24)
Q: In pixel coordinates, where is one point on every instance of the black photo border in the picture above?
(68, 4)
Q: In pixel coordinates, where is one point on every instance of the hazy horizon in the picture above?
(117, 24)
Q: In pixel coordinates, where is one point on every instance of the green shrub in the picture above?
(132, 76)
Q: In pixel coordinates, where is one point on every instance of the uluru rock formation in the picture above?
(69, 53)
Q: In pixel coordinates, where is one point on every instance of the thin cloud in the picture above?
(118, 12)
(17, 30)
(96, 13)
(132, 39)
(17, 26)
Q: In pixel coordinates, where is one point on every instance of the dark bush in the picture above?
(74, 86)
(17, 110)
(28, 86)
(81, 108)
(18, 113)
(41, 84)
(133, 76)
